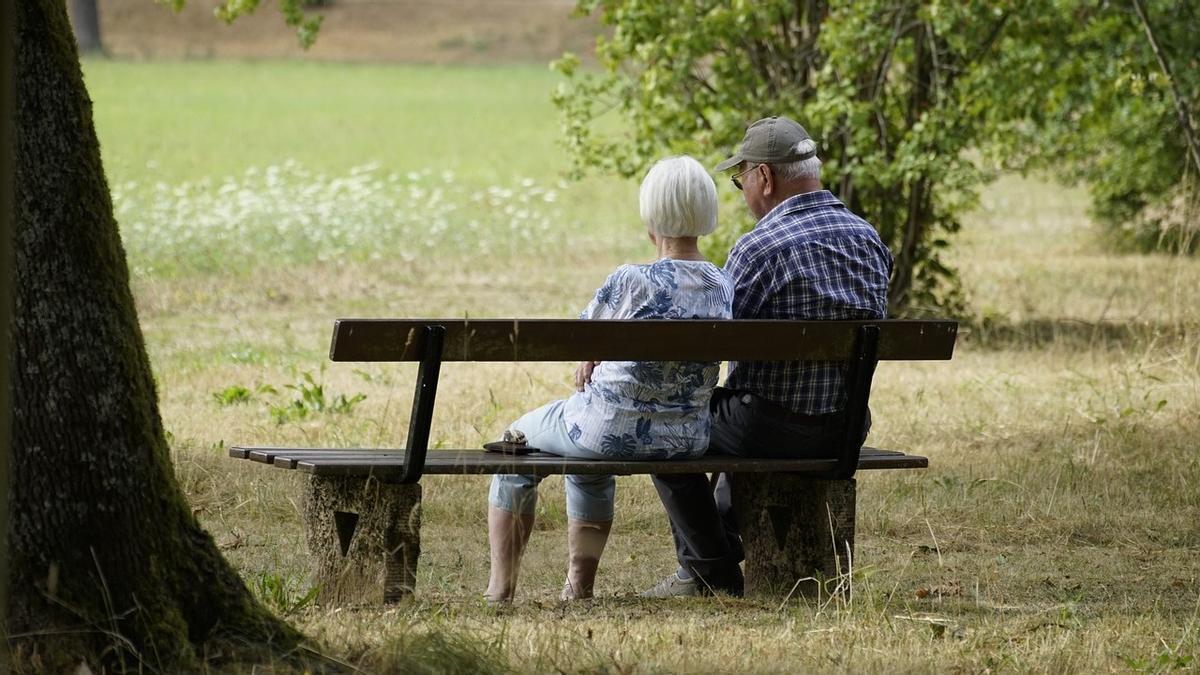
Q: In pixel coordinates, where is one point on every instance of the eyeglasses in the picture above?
(734, 178)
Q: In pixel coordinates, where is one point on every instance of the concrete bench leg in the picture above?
(794, 528)
(365, 538)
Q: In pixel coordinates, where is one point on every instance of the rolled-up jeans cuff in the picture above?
(514, 493)
(590, 497)
(592, 515)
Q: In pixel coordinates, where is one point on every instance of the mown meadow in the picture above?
(1057, 528)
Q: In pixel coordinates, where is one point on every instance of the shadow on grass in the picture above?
(436, 651)
(1072, 333)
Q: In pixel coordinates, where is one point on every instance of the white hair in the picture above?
(806, 168)
(678, 198)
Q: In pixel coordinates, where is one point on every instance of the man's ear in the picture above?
(768, 180)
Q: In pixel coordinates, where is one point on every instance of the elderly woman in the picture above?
(623, 410)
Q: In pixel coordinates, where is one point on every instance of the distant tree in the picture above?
(85, 19)
(107, 563)
(916, 103)
(306, 26)
(1119, 108)
(885, 86)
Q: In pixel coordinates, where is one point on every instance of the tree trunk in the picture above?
(108, 564)
(7, 135)
(917, 189)
(85, 19)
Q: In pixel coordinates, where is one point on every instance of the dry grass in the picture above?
(1058, 528)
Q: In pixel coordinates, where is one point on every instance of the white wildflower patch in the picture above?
(290, 215)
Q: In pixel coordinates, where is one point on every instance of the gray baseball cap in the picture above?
(771, 140)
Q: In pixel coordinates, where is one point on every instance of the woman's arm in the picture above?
(583, 373)
(602, 306)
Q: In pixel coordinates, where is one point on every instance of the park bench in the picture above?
(796, 516)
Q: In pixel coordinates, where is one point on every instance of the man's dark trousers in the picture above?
(702, 521)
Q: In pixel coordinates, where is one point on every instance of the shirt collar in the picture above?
(806, 201)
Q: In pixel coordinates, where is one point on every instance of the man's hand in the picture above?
(583, 373)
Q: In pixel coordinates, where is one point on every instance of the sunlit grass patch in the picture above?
(288, 215)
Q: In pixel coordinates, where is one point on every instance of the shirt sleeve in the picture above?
(607, 298)
(753, 282)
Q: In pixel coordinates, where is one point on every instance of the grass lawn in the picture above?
(1057, 529)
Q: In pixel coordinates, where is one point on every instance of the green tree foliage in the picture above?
(306, 26)
(915, 103)
(1110, 116)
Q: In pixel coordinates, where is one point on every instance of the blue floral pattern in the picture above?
(659, 306)
(662, 274)
(651, 409)
(606, 296)
(618, 444)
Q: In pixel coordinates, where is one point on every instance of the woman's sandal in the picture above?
(513, 443)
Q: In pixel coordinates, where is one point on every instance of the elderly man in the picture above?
(808, 257)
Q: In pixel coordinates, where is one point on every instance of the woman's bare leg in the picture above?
(507, 535)
(585, 545)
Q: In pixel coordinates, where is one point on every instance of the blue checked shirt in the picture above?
(809, 258)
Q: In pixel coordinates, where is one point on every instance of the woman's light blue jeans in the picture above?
(589, 497)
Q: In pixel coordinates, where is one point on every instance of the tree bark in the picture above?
(7, 135)
(85, 19)
(108, 565)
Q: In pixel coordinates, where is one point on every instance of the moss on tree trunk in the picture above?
(102, 541)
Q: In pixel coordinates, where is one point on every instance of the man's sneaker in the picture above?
(673, 587)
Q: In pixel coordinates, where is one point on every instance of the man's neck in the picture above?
(800, 186)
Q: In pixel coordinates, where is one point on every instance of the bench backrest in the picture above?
(650, 340)
(860, 344)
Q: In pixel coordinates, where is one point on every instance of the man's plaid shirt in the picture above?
(809, 258)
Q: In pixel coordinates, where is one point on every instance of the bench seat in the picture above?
(384, 463)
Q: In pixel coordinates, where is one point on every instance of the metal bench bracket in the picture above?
(859, 374)
(422, 411)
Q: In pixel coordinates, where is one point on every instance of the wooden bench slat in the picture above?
(289, 460)
(267, 454)
(270, 455)
(381, 463)
(647, 340)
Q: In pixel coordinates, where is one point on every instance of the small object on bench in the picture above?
(510, 448)
(797, 516)
(513, 443)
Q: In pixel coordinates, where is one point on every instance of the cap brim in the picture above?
(730, 163)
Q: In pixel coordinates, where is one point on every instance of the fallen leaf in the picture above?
(951, 589)
(238, 540)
